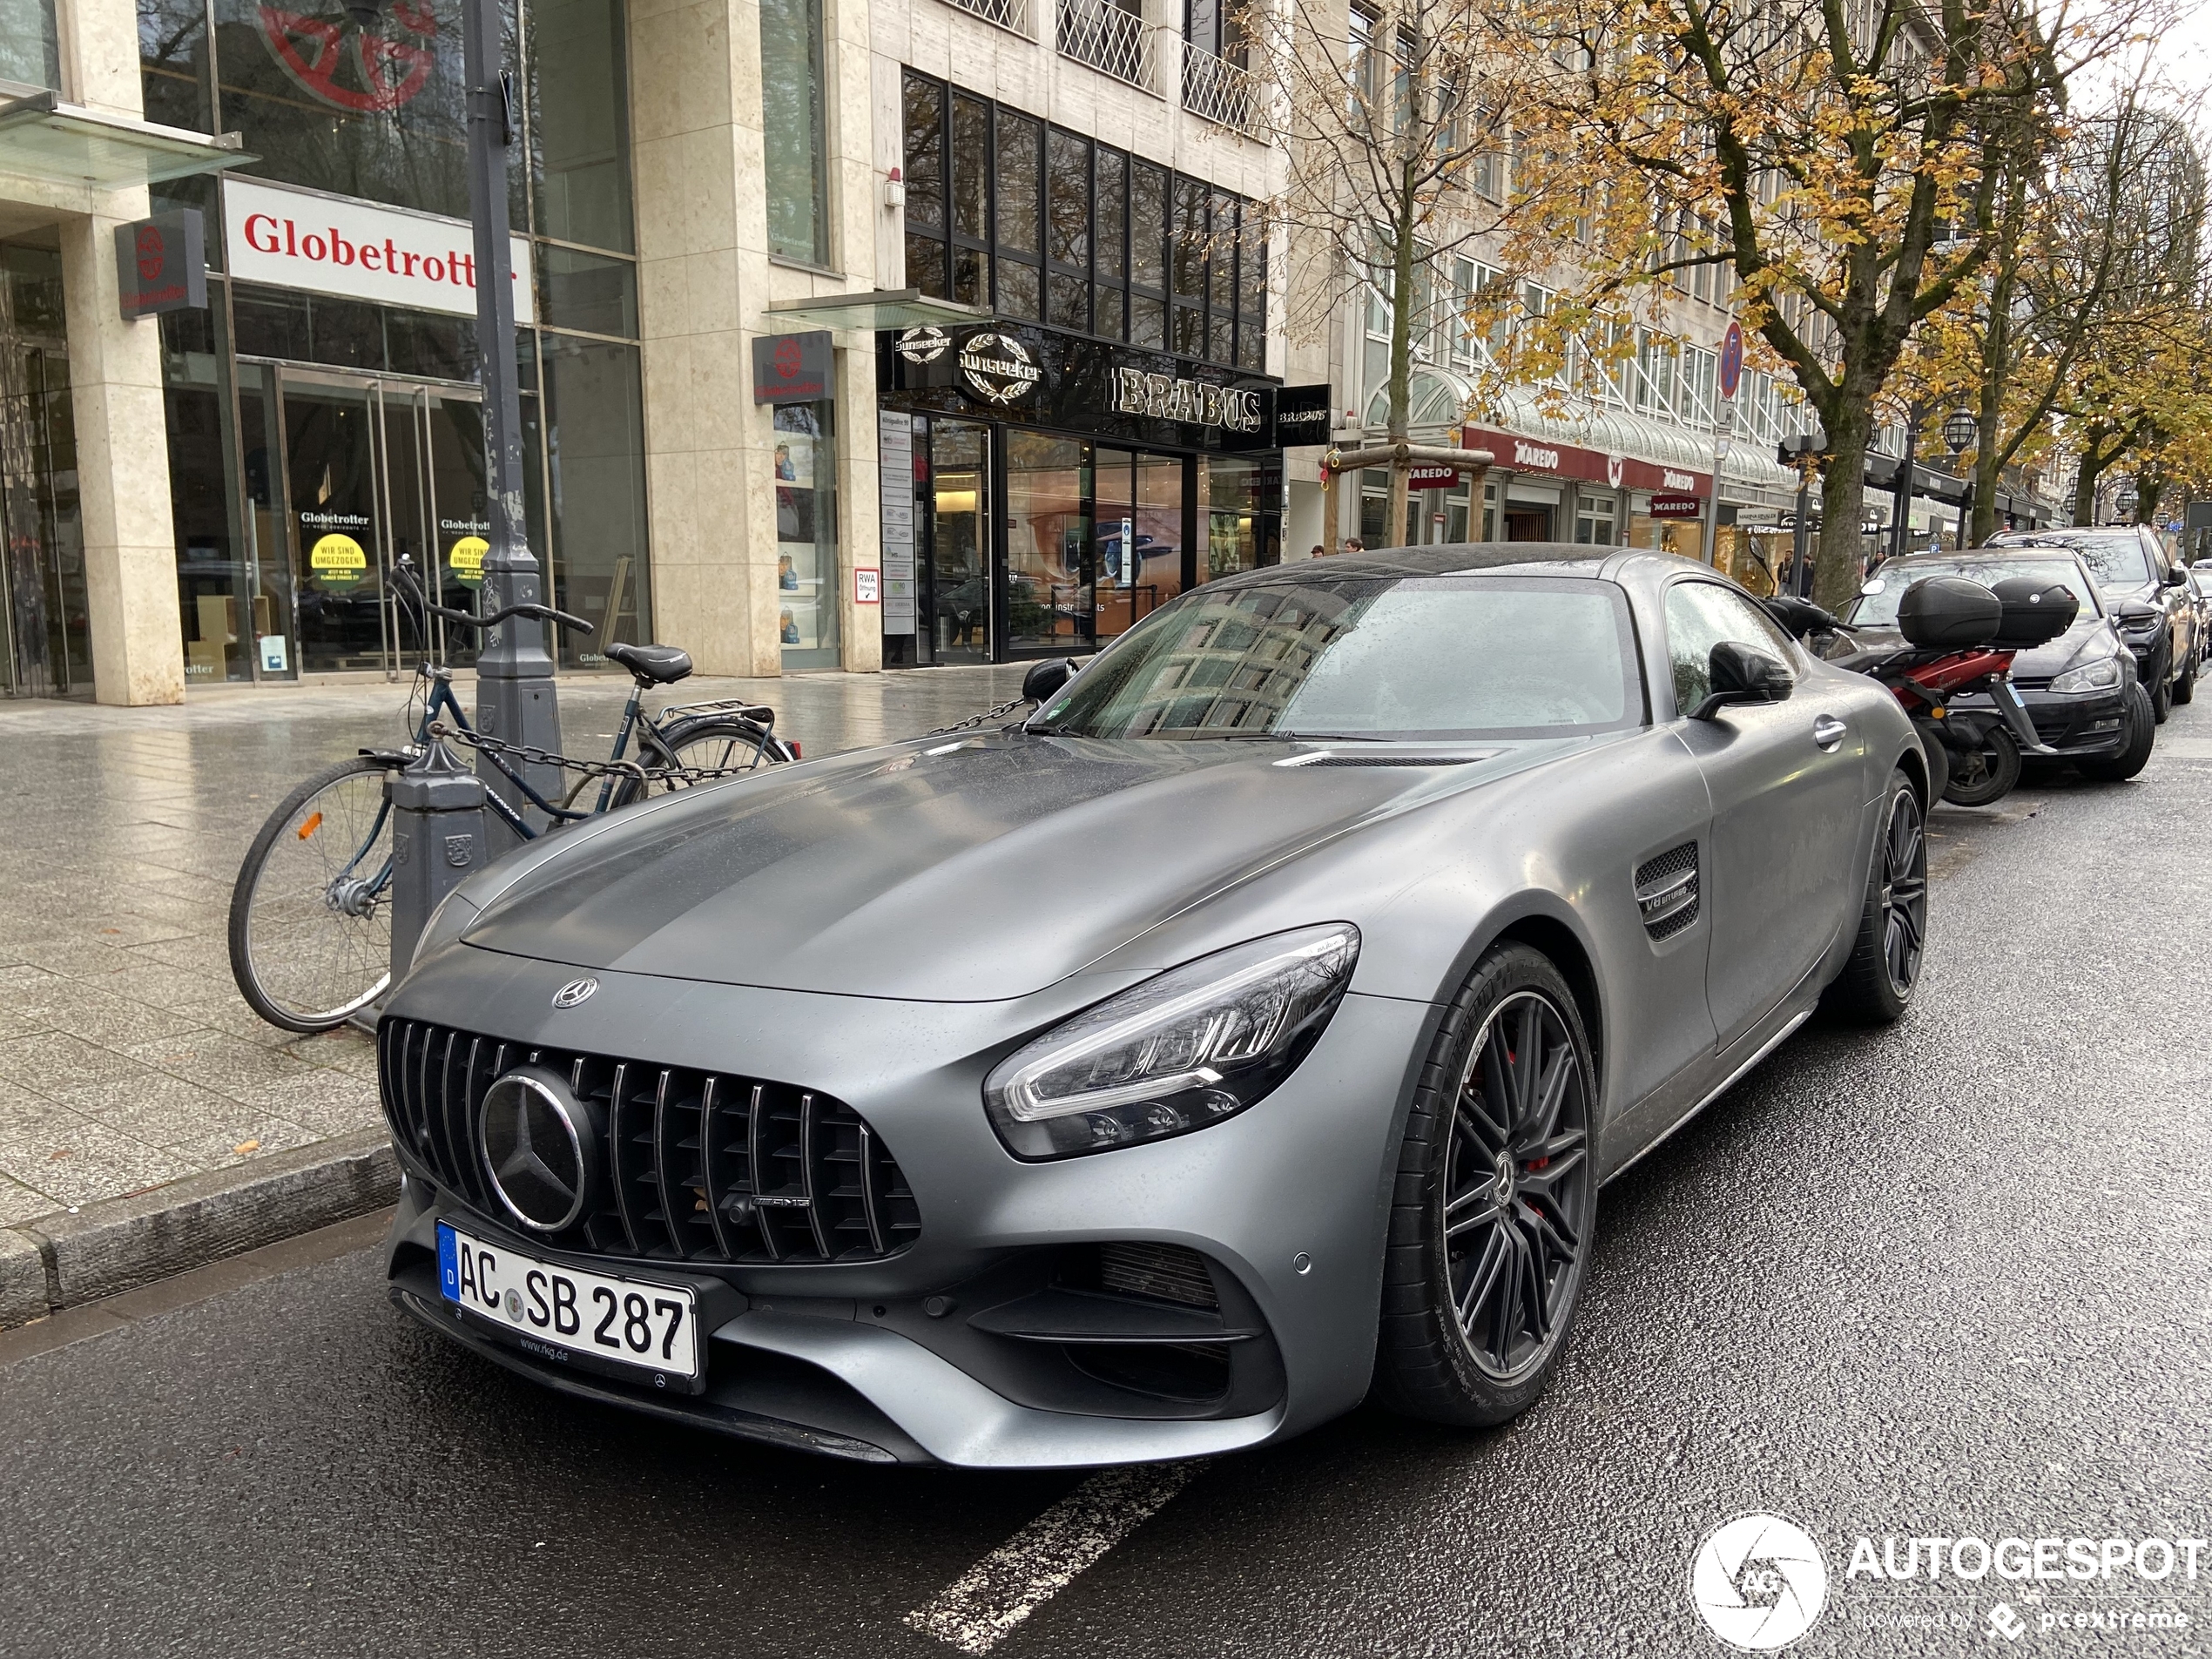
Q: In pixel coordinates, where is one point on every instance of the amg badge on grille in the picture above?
(575, 991)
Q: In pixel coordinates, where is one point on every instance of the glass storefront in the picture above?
(45, 643)
(806, 589)
(316, 437)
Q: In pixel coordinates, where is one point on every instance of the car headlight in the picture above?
(2140, 621)
(1197, 1044)
(2103, 675)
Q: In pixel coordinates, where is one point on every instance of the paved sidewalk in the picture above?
(127, 1059)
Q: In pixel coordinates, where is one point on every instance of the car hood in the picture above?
(965, 872)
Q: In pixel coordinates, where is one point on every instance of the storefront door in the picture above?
(45, 637)
(374, 470)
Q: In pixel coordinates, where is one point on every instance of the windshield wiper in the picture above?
(1336, 737)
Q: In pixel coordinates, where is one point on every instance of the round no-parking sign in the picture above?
(1733, 359)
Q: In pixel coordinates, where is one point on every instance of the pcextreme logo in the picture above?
(1758, 1581)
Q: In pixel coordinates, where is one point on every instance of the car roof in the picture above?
(2010, 550)
(1468, 558)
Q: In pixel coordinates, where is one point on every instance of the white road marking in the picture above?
(985, 1604)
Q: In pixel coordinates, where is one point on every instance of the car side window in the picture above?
(1701, 615)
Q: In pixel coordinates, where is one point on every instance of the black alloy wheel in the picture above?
(1497, 1200)
(1516, 1183)
(1905, 894)
(1878, 982)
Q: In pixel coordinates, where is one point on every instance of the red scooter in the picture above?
(1960, 640)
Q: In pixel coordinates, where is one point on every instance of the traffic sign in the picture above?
(1733, 359)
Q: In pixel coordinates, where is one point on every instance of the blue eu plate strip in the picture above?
(448, 1264)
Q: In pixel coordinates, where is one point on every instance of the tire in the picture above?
(1877, 983)
(2185, 687)
(1480, 1295)
(2135, 754)
(311, 921)
(1987, 775)
(2161, 687)
(711, 742)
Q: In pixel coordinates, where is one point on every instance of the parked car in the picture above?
(2080, 690)
(2199, 576)
(2148, 599)
(1441, 885)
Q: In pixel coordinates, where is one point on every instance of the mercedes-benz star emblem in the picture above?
(538, 1148)
(575, 991)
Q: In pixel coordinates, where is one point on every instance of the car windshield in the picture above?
(1875, 606)
(1412, 658)
(2114, 561)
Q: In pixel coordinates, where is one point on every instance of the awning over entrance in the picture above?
(43, 138)
(878, 309)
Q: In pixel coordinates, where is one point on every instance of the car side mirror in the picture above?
(2174, 578)
(1046, 677)
(1741, 673)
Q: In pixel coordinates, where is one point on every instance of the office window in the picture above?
(1067, 231)
(971, 199)
(1113, 243)
(1021, 200)
(1148, 259)
(792, 99)
(926, 267)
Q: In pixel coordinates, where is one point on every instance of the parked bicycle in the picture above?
(310, 924)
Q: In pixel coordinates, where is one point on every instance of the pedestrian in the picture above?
(1352, 544)
(1320, 552)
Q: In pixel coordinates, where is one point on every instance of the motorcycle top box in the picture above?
(2036, 613)
(1949, 613)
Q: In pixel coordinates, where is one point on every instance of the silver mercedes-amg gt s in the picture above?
(1248, 1032)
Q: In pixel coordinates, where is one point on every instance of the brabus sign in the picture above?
(1167, 397)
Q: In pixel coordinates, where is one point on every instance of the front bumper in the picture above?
(2085, 726)
(965, 1347)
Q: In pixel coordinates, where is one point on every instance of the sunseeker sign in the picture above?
(301, 239)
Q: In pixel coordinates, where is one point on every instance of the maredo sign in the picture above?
(1591, 466)
(300, 239)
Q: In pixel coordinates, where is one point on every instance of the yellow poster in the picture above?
(337, 561)
(465, 559)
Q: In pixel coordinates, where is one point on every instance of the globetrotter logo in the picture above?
(343, 64)
(1759, 1582)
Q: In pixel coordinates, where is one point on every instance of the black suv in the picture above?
(2148, 598)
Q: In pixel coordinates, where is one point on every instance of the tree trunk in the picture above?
(1836, 567)
(1401, 354)
(2093, 463)
(1983, 523)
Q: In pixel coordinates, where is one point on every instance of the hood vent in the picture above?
(1667, 891)
(1331, 757)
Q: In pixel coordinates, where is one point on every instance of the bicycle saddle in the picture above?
(652, 664)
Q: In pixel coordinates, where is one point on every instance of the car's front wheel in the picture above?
(1495, 1202)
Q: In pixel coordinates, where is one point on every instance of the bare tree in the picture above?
(1386, 113)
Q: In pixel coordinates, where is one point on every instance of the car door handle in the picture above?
(1828, 731)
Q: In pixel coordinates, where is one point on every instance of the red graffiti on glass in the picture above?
(347, 66)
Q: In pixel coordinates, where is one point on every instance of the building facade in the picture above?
(713, 193)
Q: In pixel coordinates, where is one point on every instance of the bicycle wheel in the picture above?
(707, 744)
(311, 917)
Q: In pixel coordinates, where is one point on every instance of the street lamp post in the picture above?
(1959, 429)
(514, 696)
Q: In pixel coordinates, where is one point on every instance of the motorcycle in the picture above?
(1960, 640)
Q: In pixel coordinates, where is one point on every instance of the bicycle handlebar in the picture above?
(404, 570)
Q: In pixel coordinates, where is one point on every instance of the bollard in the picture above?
(437, 840)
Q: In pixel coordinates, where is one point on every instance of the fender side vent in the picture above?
(1667, 891)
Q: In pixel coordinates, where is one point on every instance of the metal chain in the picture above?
(984, 718)
(530, 754)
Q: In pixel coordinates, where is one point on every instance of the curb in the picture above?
(60, 1260)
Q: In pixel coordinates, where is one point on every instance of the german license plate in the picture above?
(650, 1328)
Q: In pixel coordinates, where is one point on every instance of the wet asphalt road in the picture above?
(1952, 1279)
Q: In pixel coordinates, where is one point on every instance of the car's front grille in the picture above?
(699, 1166)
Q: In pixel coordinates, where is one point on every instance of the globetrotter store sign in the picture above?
(355, 250)
(1023, 372)
(1550, 460)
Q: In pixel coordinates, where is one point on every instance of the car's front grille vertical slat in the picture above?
(698, 1166)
